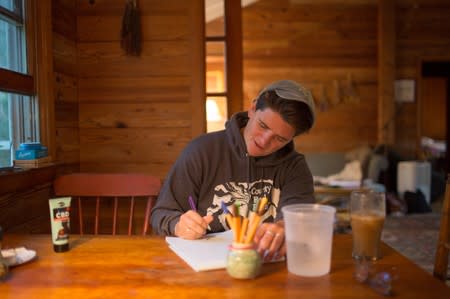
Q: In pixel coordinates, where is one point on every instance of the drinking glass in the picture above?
(367, 215)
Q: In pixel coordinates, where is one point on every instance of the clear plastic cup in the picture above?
(309, 238)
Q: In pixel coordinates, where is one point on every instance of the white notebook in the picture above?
(204, 254)
(208, 253)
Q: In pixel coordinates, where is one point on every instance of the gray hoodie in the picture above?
(216, 168)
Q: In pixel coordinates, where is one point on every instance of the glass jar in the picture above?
(243, 261)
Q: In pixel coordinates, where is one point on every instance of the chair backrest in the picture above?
(115, 186)
(443, 246)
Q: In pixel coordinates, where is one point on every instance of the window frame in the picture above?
(39, 81)
(233, 57)
(16, 14)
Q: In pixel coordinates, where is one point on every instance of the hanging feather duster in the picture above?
(131, 29)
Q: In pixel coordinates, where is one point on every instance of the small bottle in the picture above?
(4, 268)
(243, 261)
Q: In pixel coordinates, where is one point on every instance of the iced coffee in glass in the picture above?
(367, 215)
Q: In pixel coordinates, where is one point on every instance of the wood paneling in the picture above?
(157, 27)
(386, 72)
(120, 113)
(145, 89)
(64, 18)
(138, 112)
(115, 112)
(319, 45)
(27, 211)
(24, 199)
(137, 167)
(24, 195)
(68, 149)
(132, 145)
(132, 115)
(433, 112)
(146, 7)
(159, 58)
(64, 27)
(64, 55)
(66, 88)
(423, 31)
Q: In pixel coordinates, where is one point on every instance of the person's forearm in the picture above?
(164, 221)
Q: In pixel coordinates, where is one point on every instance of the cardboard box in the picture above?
(31, 151)
(35, 163)
(31, 154)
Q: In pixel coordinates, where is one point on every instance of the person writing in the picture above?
(254, 157)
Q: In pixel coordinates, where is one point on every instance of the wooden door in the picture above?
(433, 108)
(433, 114)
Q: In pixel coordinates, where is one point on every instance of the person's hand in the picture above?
(269, 239)
(192, 226)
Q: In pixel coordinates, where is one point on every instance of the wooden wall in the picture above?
(24, 200)
(137, 113)
(326, 44)
(24, 195)
(66, 84)
(122, 113)
(115, 112)
(423, 34)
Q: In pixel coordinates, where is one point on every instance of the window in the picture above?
(19, 119)
(223, 61)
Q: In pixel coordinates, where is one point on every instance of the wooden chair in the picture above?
(443, 247)
(123, 187)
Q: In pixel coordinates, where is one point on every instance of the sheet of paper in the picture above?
(205, 254)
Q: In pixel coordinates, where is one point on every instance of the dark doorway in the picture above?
(439, 71)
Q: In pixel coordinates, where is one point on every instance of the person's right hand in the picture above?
(270, 240)
(192, 226)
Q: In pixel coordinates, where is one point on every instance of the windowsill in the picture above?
(17, 179)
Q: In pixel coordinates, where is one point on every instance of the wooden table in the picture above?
(326, 193)
(338, 191)
(144, 267)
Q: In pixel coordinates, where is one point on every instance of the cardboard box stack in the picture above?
(32, 155)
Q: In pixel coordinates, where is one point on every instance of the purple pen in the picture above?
(191, 203)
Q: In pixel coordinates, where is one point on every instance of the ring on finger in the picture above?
(270, 233)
